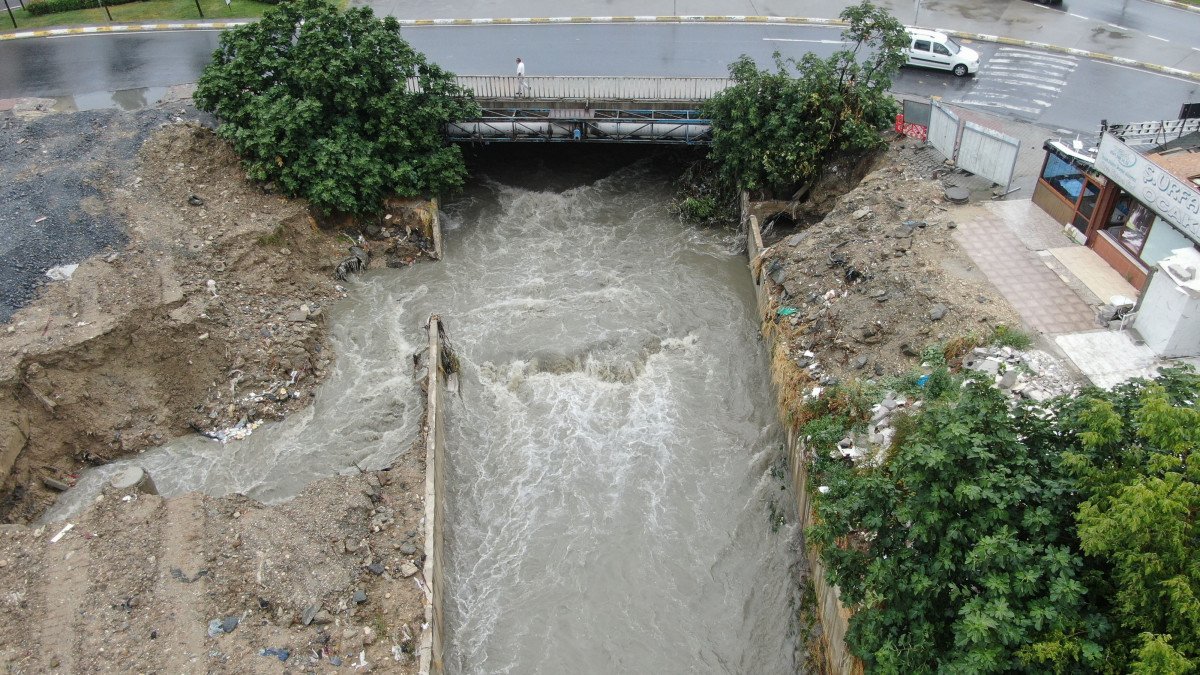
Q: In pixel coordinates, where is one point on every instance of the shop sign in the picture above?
(917, 131)
(1171, 198)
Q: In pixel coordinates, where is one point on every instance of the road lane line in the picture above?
(1142, 70)
(1118, 27)
(821, 42)
(1155, 37)
(1080, 16)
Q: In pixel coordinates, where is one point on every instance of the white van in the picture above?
(931, 49)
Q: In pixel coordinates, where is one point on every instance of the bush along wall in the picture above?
(41, 7)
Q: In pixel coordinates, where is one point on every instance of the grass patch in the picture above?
(1011, 337)
(141, 12)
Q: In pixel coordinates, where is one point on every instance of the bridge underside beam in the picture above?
(584, 126)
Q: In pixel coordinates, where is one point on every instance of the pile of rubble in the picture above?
(861, 292)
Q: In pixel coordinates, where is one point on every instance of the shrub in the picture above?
(43, 7)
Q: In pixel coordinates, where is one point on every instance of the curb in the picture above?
(767, 20)
(124, 28)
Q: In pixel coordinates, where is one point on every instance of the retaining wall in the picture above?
(435, 487)
(834, 618)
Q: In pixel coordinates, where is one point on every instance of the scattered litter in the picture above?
(68, 528)
(335, 660)
(40, 219)
(61, 272)
(279, 653)
(362, 660)
(397, 652)
(218, 626)
(785, 311)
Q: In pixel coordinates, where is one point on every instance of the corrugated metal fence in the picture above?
(591, 88)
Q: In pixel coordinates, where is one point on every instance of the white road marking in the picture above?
(1118, 27)
(1143, 71)
(1155, 37)
(1080, 16)
(820, 42)
(990, 104)
(1026, 65)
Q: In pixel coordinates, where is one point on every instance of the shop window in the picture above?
(1131, 231)
(1066, 178)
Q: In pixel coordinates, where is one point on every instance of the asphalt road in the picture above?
(1052, 90)
(1136, 29)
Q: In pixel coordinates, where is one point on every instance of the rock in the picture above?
(350, 546)
(55, 484)
(908, 350)
(335, 661)
(298, 315)
(195, 200)
(1036, 395)
(309, 614)
(322, 618)
(407, 549)
(987, 365)
(1008, 379)
(229, 623)
(914, 223)
(373, 230)
(375, 568)
(862, 214)
(795, 239)
(359, 597)
(860, 362)
(777, 272)
(938, 312)
(408, 569)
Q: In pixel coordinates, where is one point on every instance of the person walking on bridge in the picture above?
(522, 85)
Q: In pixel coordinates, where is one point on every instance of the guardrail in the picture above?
(590, 88)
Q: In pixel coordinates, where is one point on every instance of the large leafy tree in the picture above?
(958, 554)
(777, 130)
(1000, 537)
(1138, 461)
(318, 101)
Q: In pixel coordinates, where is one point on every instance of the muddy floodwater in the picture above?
(614, 462)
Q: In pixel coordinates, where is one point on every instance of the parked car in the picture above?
(930, 49)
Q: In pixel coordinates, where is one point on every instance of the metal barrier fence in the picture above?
(590, 88)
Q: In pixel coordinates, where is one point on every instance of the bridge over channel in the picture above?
(588, 109)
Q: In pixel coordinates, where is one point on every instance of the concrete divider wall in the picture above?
(834, 618)
(435, 489)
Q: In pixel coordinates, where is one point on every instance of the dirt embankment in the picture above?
(206, 313)
(861, 293)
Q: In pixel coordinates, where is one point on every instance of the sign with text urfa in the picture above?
(1174, 200)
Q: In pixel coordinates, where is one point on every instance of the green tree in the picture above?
(317, 100)
(776, 130)
(1138, 464)
(958, 554)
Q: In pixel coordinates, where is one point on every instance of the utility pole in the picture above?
(10, 14)
(199, 10)
(917, 13)
(105, 6)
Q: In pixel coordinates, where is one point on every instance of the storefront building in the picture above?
(1133, 208)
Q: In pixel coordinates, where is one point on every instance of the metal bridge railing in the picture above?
(592, 88)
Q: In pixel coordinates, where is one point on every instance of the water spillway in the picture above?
(612, 453)
(609, 485)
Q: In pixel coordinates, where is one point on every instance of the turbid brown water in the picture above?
(611, 500)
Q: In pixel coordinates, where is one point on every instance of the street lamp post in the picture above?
(917, 13)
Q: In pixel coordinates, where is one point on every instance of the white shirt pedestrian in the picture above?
(522, 85)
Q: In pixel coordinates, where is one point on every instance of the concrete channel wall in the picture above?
(834, 618)
(435, 490)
